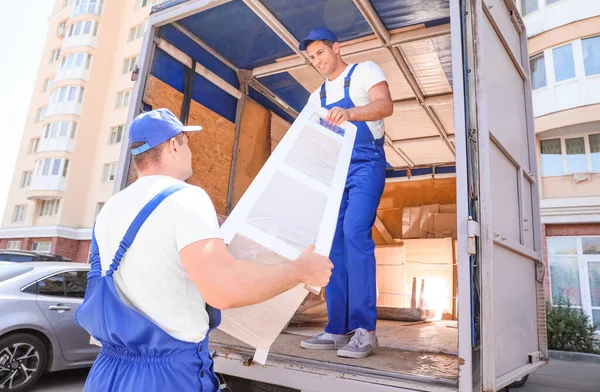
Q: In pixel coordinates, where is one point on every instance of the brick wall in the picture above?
(546, 264)
(70, 249)
(573, 230)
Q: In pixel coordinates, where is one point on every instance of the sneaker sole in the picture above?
(348, 354)
(315, 346)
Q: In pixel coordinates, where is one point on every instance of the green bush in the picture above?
(569, 329)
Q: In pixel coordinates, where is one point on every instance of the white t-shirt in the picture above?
(365, 76)
(151, 277)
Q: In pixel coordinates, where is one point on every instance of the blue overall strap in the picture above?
(96, 268)
(323, 96)
(347, 82)
(137, 224)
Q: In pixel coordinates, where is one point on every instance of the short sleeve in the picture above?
(192, 216)
(371, 74)
(314, 98)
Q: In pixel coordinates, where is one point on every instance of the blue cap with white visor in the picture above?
(154, 128)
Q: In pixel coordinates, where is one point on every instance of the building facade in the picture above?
(67, 160)
(564, 49)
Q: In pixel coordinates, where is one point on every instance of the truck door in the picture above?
(509, 325)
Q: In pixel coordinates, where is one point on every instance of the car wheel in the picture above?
(23, 360)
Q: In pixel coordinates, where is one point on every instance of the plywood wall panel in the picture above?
(254, 146)
(212, 148)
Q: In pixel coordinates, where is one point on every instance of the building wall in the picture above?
(80, 191)
(564, 48)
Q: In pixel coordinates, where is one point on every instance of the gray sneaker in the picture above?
(361, 345)
(325, 341)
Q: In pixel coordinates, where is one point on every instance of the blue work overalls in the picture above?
(137, 355)
(351, 293)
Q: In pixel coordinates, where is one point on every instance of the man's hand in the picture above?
(337, 115)
(314, 269)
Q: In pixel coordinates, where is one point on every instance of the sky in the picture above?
(23, 25)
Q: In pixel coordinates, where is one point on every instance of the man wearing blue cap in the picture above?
(358, 93)
(160, 272)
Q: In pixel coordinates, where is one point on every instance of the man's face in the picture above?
(322, 57)
(186, 157)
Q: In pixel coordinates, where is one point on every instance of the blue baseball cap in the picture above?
(318, 34)
(156, 127)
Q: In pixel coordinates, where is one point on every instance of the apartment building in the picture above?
(67, 161)
(564, 49)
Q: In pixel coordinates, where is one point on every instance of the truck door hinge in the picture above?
(473, 231)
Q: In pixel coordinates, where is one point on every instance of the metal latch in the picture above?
(535, 357)
(473, 231)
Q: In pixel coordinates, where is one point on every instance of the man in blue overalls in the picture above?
(358, 93)
(160, 272)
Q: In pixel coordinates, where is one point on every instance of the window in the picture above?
(109, 172)
(122, 99)
(591, 55)
(41, 246)
(41, 114)
(129, 65)
(53, 285)
(75, 60)
(99, 207)
(67, 94)
(54, 55)
(528, 6)
(548, 2)
(576, 159)
(13, 245)
(595, 151)
(64, 173)
(33, 146)
(48, 83)
(145, 3)
(564, 65)
(116, 134)
(136, 32)
(75, 283)
(26, 179)
(59, 129)
(49, 207)
(575, 272)
(51, 167)
(571, 157)
(87, 6)
(19, 213)
(83, 27)
(538, 71)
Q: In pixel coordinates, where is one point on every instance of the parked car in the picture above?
(37, 331)
(25, 255)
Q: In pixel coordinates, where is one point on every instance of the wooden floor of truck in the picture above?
(426, 350)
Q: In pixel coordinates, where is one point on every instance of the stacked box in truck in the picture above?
(460, 298)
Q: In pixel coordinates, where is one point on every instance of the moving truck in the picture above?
(460, 296)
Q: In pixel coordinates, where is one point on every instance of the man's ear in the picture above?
(337, 48)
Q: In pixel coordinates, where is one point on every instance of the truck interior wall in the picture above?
(254, 146)
(212, 147)
(410, 193)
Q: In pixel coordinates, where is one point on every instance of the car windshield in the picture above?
(11, 270)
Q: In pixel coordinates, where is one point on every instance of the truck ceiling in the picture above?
(409, 39)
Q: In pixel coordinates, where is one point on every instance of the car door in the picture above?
(58, 297)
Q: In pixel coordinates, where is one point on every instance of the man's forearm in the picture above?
(376, 110)
(249, 283)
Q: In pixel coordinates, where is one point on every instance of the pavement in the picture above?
(557, 376)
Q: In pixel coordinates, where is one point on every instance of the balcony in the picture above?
(46, 187)
(73, 108)
(81, 7)
(56, 144)
(80, 73)
(541, 17)
(79, 40)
